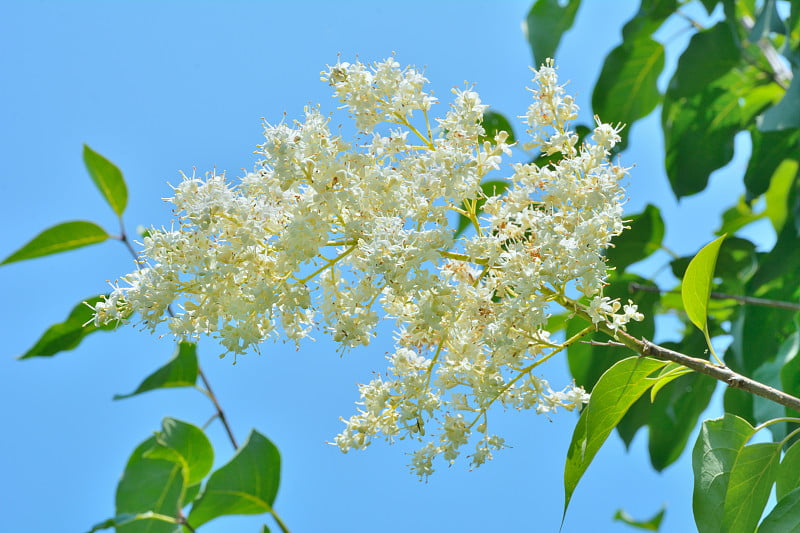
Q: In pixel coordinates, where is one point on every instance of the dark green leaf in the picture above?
(248, 484)
(186, 445)
(710, 54)
(749, 485)
(788, 478)
(644, 237)
(709, 5)
(493, 123)
(769, 150)
(786, 114)
(68, 335)
(180, 371)
(768, 21)
(790, 372)
(264, 529)
(699, 131)
(59, 238)
(147, 484)
(626, 90)
(674, 415)
(769, 373)
(546, 22)
(648, 525)
(713, 457)
(785, 517)
(614, 393)
(108, 179)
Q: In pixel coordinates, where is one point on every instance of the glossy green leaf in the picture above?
(248, 484)
(614, 393)
(788, 478)
(785, 517)
(626, 89)
(59, 238)
(651, 524)
(644, 236)
(780, 188)
(489, 188)
(108, 179)
(786, 114)
(493, 123)
(68, 335)
(699, 131)
(127, 518)
(713, 458)
(696, 285)
(546, 22)
(750, 482)
(186, 445)
(149, 484)
(180, 371)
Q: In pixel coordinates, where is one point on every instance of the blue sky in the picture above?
(164, 87)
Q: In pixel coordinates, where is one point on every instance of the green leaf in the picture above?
(651, 524)
(264, 529)
(699, 131)
(674, 415)
(180, 371)
(713, 458)
(736, 217)
(59, 238)
(790, 371)
(696, 285)
(749, 486)
(644, 237)
(614, 393)
(710, 54)
(124, 519)
(777, 196)
(108, 179)
(785, 517)
(248, 484)
(786, 114)
(768, 21)
(493, 123)
(769, 150)
(149, 484)
(788, 478)
(186, 445)
(626, 89)
(546, 22)
(68, 335)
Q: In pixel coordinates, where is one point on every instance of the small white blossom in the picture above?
(332, 235)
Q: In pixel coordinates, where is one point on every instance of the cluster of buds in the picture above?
(332, 235)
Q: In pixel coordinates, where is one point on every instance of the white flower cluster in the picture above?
(336, 235)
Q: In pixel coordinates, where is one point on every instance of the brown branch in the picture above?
(751, 300)
(722, 373)
(209, 392)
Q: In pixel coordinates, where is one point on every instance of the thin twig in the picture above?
(751, 300)
(210, 392)
(645, 347)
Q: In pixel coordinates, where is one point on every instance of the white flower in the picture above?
(334, 235)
